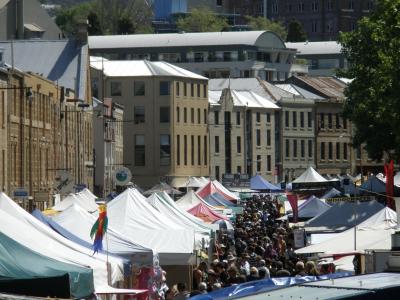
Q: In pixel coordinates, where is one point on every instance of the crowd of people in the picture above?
(259, 248)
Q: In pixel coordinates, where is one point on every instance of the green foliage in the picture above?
(201, 20)
(373, 103)
(296, 32)
(261, 23)
(107, 17)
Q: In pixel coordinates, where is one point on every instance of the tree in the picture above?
(94, 27)
(373, 103)
(201, 20)
(296, 32)
(68, 19)
(261, 23)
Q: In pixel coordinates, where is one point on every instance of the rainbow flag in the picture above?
(99, 229)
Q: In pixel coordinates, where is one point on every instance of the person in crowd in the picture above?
(199, 275)
(171, 293)
(183, 293)
(253, 274)
(263, 271)
(233, 276)
(299, 269)
(311, 269)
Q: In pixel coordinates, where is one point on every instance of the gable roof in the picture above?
(140, 68)
(298, 91)
(309, 175)
(260, 183)
(243, 98)
(62, 61)
(203, 212)
(312, 207)
(241, 84)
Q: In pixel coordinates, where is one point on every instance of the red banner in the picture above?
(293, 203)
(389, 173)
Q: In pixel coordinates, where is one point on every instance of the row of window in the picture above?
(238, 118)
(192, 115)
(192, 87)
(302, 119)
(341, 151)
(327, 121)
(140, 150)
(302, 148)
(239, 141)
(315, 6)
(139, 114)
(185, 140)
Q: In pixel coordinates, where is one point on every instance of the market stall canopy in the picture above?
(312, 207)
(131, 215)
(189, 200)
(162, 187)
(373, 184)
(212, 187)
(374, 233)
(331, 193)
(78, 221)
(343, 215)
(312, 179)
(259, 183)
(19, 262)
(79, 199)
(203, 212)
(218, 200)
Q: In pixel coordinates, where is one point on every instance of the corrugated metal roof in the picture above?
(242, 99)
(313, 48)
(329, 86)
(140, 68)
(298, 91)
(57, 60)
(178, 39)
(33, 27)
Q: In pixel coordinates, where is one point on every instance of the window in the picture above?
(294, 148)
(302, 119)
(165, 150)
(322, 150)
(185, 89)
(198, 90)
(286, 119)
(216, 117)
(140, 153)
(198, 150)
(314, 26)
(337, 121)
(358, 153)
(287, 148)
(330, 5)
(139, 114)
(302, 149)
(217, 176)
(238, 145)
(198, 116)
(258, 137)
(192, 149)
(274, 7)
(238, 118)
(164, 88)
(322, 120)
(300, 7)
(216, 144)
(205, 90)
(205, 116)
(185, 150)
(258, 117)
(116, 88)
(314, 6)
(345, 151)
(268, 118)
(258, 163)
(310, 149)
(185, 115)
(177, 88)
(294, 119)
(219, 2)
(178, 150)
(239, 169)
(139, 88)
(337, 150)
(268, 137)
(269, 163)
(164, 114)
(227, 56)
(178, 117)
(330, 151)
(330, 121)
(350, 4)
(192, 89)
(198, 56)
(344, 124)
(192, 115)
(205, 150)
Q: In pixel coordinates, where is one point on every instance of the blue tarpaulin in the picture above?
(264, 285)
(258, 183)
(218, 200)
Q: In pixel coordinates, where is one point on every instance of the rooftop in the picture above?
(243, 98)
(313, 48)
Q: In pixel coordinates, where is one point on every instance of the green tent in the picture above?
(25, 272)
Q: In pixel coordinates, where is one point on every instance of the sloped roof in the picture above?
(260, 183)
(313, 207)
(240, 84)
(298, 91)
(212, 188)
(218, 200)
(331, 193)
(310, 48)
(329, 86)
(79, 199)
(308, 176)
(140, 68)
(203, 212)
(243, 98)
(64, 61)
(182, 39)
(374, 184)
(189, 200)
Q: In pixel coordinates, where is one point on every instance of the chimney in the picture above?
(20, 19)
(82, 33)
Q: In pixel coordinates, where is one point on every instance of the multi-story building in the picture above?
(242, 131)
(322, 20)
(22, 19)
(59, 134)
(108, 144)
(165, 118)
(211, 54)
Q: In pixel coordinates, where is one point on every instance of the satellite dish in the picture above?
(63, 182)
(122, 176)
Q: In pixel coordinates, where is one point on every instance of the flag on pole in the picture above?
(292, 198)
(99, 229)
(389, 173)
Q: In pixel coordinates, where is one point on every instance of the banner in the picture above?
(293, 203)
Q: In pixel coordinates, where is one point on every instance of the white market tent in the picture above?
(309, 176)
(373, 233)
(131, 215)
(191, 199)
(79, 222)
(30, 232)
(225, 190)
(312, 207)
(79, 199)
(187, 215)
(88, 194)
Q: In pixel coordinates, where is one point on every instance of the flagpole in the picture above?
(108, 272)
